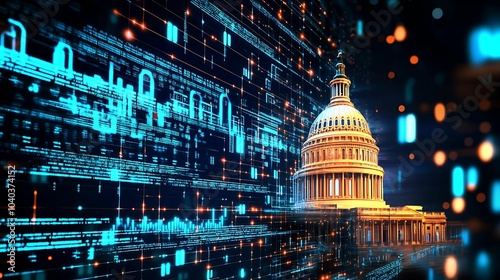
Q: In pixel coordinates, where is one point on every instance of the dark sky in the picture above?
(443, 74)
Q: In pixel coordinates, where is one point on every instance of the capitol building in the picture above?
(339, 170)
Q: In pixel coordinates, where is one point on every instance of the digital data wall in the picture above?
(155, 139)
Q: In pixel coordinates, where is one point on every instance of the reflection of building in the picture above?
(340, 170)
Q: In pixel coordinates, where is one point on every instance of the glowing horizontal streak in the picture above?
(59, 175)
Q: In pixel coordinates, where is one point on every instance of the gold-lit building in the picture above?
(339, 170)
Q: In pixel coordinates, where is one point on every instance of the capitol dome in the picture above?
(339, 118)
(339, 160)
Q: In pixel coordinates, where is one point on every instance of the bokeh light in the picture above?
(450, 267)
(484, 105)
(401, 108)
(391, 75)
(439, 112)
(495, 197)
(472, 178)
(437, 13)
(465, 237)
(485, 127)
(446, 205)
(480, 197)
(400, 33)
(458, 205)
(389, 39)
(439, 158)
(486, 151)
(453, 155)
(128, 34)
(424, 107)
(411, 156)
(457, 181)
(414, 59)
(483, 265)
(468, 141)
(430, 273)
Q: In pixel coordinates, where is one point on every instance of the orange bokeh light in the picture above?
(439, 112)
(389, 39)
(468, 141)
(446, 205)
(480, 197)
(486, 151)
(453, 155)
(458, 205)
(400, 33)
(414, 59)
(485, 127)
(450, 267)
(401, 108)
(391, 75)
(484, 105)
(439, 158)
(128, 34)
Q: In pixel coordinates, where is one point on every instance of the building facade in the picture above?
(339, 170)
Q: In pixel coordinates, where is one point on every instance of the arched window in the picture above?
(330, 122)
(348, 121)
(324, 123)
(343, 154)
(342, 122)
(336, 122)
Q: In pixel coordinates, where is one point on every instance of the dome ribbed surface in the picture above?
(339, 118)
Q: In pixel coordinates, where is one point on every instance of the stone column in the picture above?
(389, 234)
(308, 187)
(412, 229)
(362, 185)
(325, 185)
(317, 186)
(404, 233)
(382, 232)
(373, 233)
(359, 186)
(371, 186)
(342, 186)
(380, 187)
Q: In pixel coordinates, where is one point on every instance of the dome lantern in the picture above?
(339, 92)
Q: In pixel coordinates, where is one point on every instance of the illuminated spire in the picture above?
(340, 84)
(340, 66)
